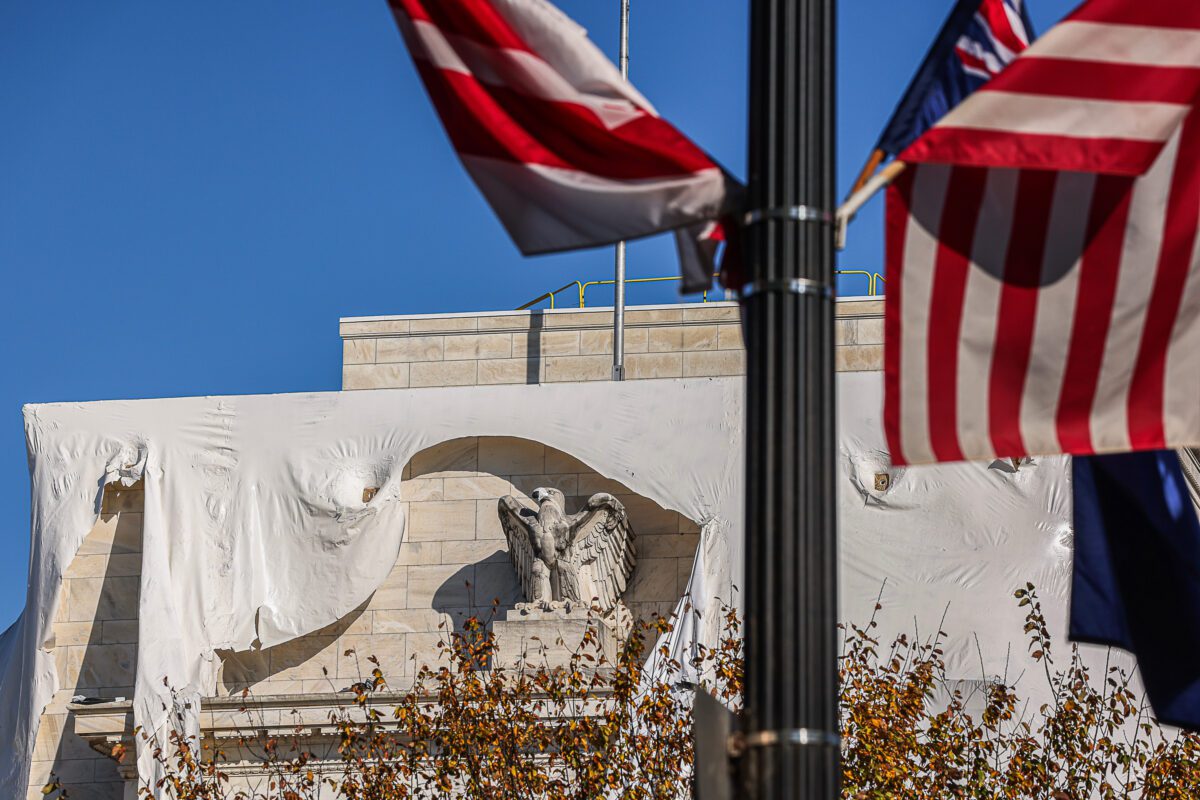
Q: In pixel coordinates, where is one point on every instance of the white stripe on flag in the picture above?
(920, 249)
(520, 71)
(1006, 55)
(1119, 44)
(1017, 113)
(1139, 263)
(1181, 401)
(565, 45)
(1016, 23)
(572, 206)
(1059, 292)
(980, 304)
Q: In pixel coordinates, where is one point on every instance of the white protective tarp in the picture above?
(255, 531)
(952, 542)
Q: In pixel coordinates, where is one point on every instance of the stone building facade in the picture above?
(572, 345)
(454, 560)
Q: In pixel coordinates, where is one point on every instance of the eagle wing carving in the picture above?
(603, 552)
(518, 522)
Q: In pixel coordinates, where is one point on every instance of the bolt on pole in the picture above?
(791, 720)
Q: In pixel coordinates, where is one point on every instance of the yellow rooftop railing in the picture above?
(551, 295)
(874, 279)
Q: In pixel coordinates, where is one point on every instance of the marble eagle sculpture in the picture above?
(565, 558)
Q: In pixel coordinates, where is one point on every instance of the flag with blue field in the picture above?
(1136, 582)
(978, 40)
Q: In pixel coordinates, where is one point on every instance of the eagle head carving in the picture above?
(544, 495)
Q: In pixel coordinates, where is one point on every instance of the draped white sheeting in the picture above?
(255, 532)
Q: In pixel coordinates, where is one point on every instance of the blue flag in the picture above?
(980, 38)
(1136, 582)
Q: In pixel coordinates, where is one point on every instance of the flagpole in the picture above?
(873, 161)
(618, 370)
(790, 746)
(861, 194)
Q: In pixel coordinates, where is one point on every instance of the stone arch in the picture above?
(442, 481)
(454, 564)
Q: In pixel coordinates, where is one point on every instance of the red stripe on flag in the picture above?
(1098, 274)
(412, 9)
(899, 197)
(956, 234)
(1153, 13)
(476, 20)
(496, 122)
(1146, 426)
(982, 148)
(997, 20)
(1098, 80)
(971, 62)
(1017, 311)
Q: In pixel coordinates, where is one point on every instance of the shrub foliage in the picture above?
(1094, 737)
(600, 728)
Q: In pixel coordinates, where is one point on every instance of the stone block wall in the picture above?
(95, 646)
(572, 345)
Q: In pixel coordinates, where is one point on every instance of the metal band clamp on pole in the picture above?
(803, 737)
(789, 286)
(790, 213)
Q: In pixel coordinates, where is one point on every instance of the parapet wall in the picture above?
(573, 345)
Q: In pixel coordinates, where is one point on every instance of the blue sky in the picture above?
(193, 193)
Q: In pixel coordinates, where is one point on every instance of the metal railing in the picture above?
(551, 295)
(583, 288)
(874, 279)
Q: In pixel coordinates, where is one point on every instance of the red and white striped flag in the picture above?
(1043, 276)
(567, 153)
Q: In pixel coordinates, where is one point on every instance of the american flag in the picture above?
(1043, 286)
(567, 152)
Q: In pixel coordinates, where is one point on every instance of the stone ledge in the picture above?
(565, 319)
(559, 319)
(105, 724)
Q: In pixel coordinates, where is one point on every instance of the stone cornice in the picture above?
(567, 319)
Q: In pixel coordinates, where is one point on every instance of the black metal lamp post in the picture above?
(791, 723)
